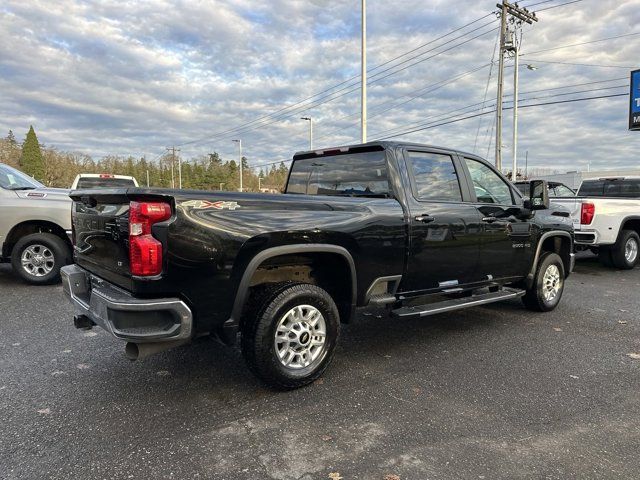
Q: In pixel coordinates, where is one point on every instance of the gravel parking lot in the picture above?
(492, 392)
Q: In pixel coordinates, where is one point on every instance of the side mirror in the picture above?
(538, 195)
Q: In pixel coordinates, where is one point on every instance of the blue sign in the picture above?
(634, 107)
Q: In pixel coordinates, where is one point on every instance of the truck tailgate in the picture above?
(101, 233)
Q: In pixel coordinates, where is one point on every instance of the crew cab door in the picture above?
(507, 248)
(444, 230)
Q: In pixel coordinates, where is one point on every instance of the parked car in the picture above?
(606, 218)
(35, 226)
(556, 189)
(419, 229)
(102, 180)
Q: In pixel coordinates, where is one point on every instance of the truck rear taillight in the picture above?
(145, 252)
(587, 213)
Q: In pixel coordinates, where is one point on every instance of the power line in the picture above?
(506, 108)
(343, 82)
(535, 60)
(486, 89)
(556, 6)
(581, 43)
(333, 96)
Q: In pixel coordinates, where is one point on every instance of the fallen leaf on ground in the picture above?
(82, 366)
(44, 411)
(319, 381)
(391, 476)
(326, 438)
(557, 329)
(622, 322)
(635, 356)
(335, 476)
(574, 377)
(163, 373)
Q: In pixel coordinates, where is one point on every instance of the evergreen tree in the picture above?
(31, 161)
(12, 138)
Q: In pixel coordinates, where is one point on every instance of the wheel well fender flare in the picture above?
(230, 326)
(534, 266)
(623, 224)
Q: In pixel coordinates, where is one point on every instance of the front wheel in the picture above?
(289, 333)
(548, 284)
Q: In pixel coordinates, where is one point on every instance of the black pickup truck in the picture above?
(419, 229)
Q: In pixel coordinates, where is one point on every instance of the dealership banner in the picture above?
(634, 107)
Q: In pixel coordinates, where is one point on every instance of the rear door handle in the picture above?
(424, 218)
(489, 219)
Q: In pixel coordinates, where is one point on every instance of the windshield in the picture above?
(350, 174)
(13, 179)
(97, 182)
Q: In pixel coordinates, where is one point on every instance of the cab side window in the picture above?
(489, 187)
(435, 177)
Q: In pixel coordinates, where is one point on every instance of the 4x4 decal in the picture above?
(218, 205)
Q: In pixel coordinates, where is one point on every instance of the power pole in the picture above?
(363, 73)
(514, 139)
(239, 142)
(514, 15)
(173, 151)
(503, 34)
(147, 178)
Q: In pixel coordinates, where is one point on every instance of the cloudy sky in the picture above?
(130, 78)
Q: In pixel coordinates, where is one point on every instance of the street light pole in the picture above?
(308, 119)
(239, 142)
(363, 73)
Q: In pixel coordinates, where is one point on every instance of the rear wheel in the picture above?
(548, 285)
(38, 258)
(624, 253)
(289, 333)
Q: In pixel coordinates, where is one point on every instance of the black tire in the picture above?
(620, 255)
(269, 306)
(604, 256)
(535, 298)
(55, 251)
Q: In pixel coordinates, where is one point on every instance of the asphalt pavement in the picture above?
(486, 393)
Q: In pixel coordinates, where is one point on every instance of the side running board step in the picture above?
(456, 303)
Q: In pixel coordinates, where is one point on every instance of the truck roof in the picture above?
(383, 144)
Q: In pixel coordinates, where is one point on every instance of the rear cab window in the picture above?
(96, 182)
(591, 188)
(614, 188)
(337, 173)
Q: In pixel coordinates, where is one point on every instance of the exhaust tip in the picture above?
(131, 351)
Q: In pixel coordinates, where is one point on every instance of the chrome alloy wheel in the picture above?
(631, 250)
(551, 283)
(37, 260)
(300, 338)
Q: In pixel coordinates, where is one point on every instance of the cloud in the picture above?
(115, 77)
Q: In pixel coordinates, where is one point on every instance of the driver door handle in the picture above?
(424, 218)
(489, 219)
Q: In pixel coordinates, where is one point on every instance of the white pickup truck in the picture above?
(606, 219)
